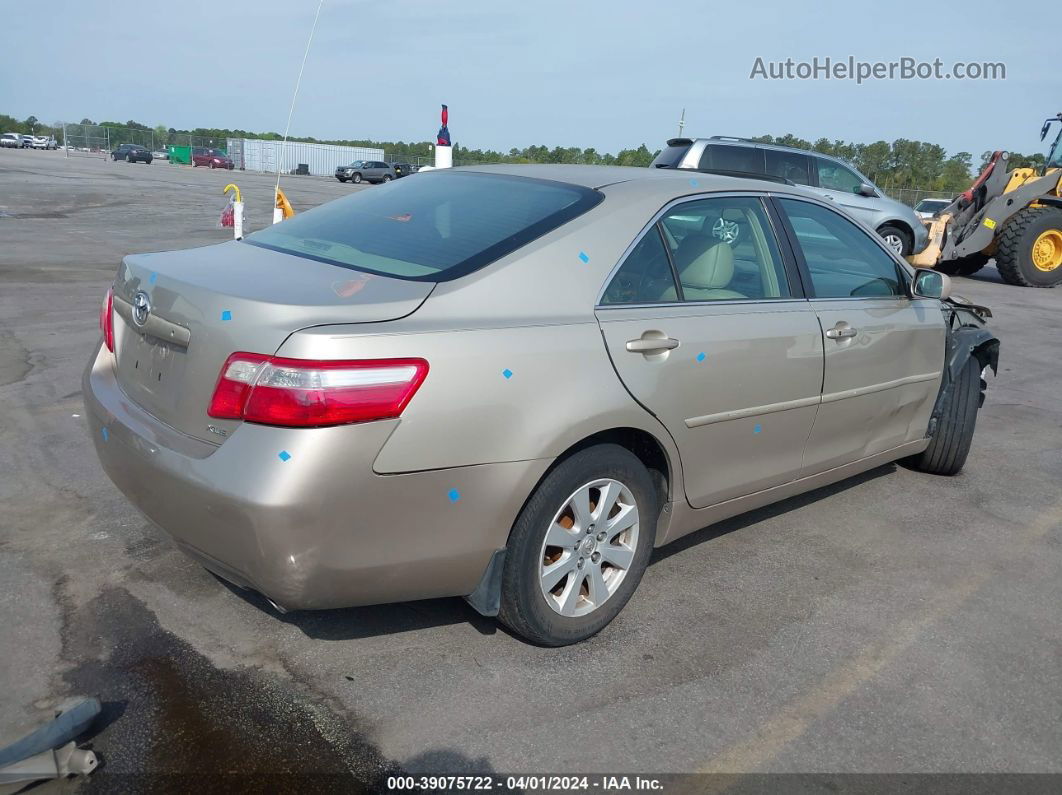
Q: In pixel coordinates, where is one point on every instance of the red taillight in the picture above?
(309, 394)
(107, 319)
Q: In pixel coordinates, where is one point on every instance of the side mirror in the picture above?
(867, 190)
(931, 284)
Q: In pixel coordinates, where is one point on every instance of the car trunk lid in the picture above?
(204, 304)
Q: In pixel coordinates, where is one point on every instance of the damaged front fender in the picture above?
(968, 337)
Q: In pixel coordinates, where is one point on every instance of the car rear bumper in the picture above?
(299, 514)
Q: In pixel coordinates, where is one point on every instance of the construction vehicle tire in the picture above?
(1030, 248)
(964, 266)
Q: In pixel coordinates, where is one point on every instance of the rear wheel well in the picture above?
(643, 444)
(486, 598)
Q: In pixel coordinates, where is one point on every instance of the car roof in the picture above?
(655, 181)
(728, 140)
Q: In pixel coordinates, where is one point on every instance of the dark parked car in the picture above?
(214, 158)
(402, 169)
(131, 153)
(366, 171)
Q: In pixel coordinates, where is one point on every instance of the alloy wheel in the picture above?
(589, 547)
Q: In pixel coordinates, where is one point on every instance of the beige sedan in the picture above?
(511, 383)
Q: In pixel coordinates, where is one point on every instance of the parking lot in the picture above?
(895, 622)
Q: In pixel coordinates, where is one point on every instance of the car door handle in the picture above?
(840, 332)
(652, 344)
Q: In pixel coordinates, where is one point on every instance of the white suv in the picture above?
(11, 140)
(44, 142)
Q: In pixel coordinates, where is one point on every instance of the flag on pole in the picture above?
(444, 133)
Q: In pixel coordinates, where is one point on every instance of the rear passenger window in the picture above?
(843, 260)
(645, 277)
(793, 166)
(733, 158)
(724, 249)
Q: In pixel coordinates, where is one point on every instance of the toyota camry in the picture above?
(511, 383)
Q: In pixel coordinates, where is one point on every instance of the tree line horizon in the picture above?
(903, 163)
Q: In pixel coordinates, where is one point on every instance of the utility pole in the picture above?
(682, 122)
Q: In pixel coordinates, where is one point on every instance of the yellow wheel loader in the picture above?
(1015, 217)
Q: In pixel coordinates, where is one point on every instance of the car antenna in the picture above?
(278, 208)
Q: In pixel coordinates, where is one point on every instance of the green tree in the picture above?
(955, 176)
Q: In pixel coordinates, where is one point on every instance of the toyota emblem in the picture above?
(141, 308)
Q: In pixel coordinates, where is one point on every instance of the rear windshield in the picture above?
(671, 156)
(435, 226)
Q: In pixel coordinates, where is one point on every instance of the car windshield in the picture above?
(357, 164)
(437, 227)
(931, 205)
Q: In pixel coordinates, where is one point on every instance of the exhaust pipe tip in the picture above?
(278, 608)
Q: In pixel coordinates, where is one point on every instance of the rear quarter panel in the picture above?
(518, 367)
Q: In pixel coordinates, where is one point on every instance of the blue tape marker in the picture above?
(507, 373)
(701, 357)
(283, 455)
(454, 495)
(584, 257)
(226, 314)
(154, 277)
(757, 429)
(105, 433)
(693, 182)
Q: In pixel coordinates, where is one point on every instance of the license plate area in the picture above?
(151, 372)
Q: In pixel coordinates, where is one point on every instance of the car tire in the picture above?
(356, 179)
(1030, 248)
(899, 240)
(212, 165)
(581, 563)
(129, 158)
(386, 178)
(950, 445)
(342, 179)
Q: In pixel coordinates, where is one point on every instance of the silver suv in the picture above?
(831, 178)
(366, 171)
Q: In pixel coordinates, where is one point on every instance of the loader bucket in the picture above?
(930, 255)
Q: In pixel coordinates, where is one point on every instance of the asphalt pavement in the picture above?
(896, 622)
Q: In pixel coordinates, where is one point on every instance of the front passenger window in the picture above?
(834, 176)
(844, 262)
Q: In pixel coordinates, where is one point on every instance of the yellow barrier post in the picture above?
(237, 211)
(282, 208)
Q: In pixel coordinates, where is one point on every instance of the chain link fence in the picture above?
(96, 140)
(90, 140)
(911, 196)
